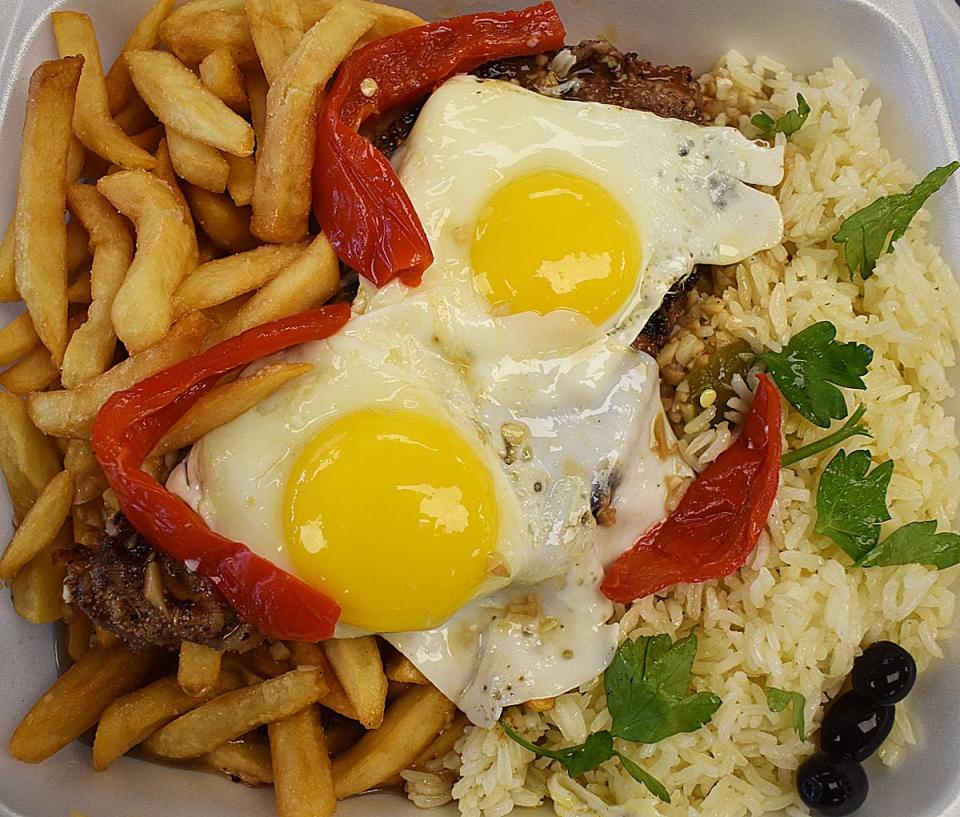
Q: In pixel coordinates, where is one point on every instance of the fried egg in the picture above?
(438, 470)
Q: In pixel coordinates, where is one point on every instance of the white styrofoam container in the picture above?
(909, 49)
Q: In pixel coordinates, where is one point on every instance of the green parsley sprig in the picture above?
(788, 124)
(780, 699)
(864, 234)
(851, 428)
(647, 687)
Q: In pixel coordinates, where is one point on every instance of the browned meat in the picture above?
(109, 585)
(596, 71)
(657, 330)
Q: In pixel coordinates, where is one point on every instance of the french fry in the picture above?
(144, 37)
(8, 275)
(199, 668)
(196, 29)
(389, 19)
(70, 413)
(221, 74)
(227, 402)
(91, 117)
(245, 761)
(79, 291)
(166, 252)
(35, 371)
(17, 338)
(40, 239)
(78, 246)
(37, 591)
(234, 714)
(149, 139)
(256, 86)
(79, 630)
(443, 743)
(225, 224)
(28, 459)
(219, 281)
(89, 481)
(302, 773)
(540, 704)
(164, 170)
(312, 655)
(130, 720)
(341, 734)
(134, 117)
(91, 347)
(179, 100)
(281, 190)
(39, 527)
(259, 663)
(310, 280)
(243, 170)
(277, 28)
(76, 700)
(401, 669)
(411, 723)
(357, 664)
(76, 159)
(198, 163)
(208, 251)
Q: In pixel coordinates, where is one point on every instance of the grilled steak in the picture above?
(110, 585)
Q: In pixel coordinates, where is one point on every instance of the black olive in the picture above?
(834, 786)
(854, 726)
(884, 674)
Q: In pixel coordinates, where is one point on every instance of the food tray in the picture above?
(910, 50)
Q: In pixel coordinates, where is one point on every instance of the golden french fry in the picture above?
(76, 159)
(78, 246)
(225, 278)
(91, 347)
(302, 772)
(164, 170)
(443, 743)
(166, 252)
(179, 100)
(70, 413)
(29, 460)
(39, 527)
(342, 734)
(311, 279)
(79, 630)
(256, 86)
(389, 19)
(79, 291)
(200, 27)
(312, 655)
(134, 117)
(199, 668)
(41, 233)
(411, 723)
(281, 190)
(221, 74)
(91, 117)
(234, 714)
(149, 139)
(357, 664)
(8, 275)
(198, 163)
(144, 37)
(227, 402)
(277, 28)
(76, 700)
(225, 224)
(35, 371)
(240, 760)
(130, 720)
(399, 668)
(17, 338)
(208, 251)
(243, 170)
(37, 591)
(89, 481)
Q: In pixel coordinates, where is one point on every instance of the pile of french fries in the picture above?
(163, 206)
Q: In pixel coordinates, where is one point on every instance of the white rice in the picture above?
(795, 617)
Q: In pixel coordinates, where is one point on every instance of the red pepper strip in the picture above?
(717, 524)
(358, 199)
(132, 422)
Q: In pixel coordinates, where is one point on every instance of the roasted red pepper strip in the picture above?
(717, 523)
(132, 422)
(358, 199)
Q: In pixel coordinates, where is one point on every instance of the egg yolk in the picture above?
(553, 240)
(393, 515)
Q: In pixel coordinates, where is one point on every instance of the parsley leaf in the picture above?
(654, 786)
(916, 543)
(864, 234)
(577, 760)
(647, 686)
(788, 124)
(810, 363)
(851, 503)
(851, 428)
(780, 699)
